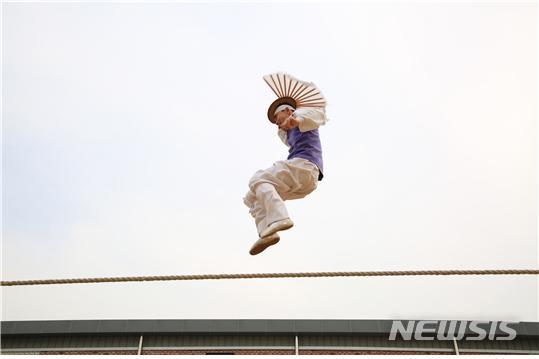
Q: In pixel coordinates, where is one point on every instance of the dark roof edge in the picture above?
(235, 326)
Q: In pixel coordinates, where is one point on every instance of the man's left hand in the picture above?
(289, 123)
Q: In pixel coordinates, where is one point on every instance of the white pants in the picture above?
(269, 188)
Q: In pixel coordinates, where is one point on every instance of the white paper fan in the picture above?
(294, 92)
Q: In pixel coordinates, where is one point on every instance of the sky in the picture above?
(130, 132)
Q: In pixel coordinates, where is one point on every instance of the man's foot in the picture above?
(263, 243)
(277, 226)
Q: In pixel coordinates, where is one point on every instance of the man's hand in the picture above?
(288, 123)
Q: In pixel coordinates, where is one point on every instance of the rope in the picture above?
(272, 275)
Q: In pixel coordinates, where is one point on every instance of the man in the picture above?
(293, 178)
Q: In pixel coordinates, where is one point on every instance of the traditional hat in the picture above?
(293, 92)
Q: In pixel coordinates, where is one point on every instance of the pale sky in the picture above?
(130, 132)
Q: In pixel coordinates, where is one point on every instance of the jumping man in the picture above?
(298, 117)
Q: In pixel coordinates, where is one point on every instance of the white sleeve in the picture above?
(310, 118)
(283, 137)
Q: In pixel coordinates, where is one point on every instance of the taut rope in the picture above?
(273, 275)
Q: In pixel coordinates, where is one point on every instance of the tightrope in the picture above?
(272, 275)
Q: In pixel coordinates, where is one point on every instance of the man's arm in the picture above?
(283, 137)
(310, 118)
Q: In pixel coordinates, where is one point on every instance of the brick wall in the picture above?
(243, 352)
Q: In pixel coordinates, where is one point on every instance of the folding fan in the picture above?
(293, 92)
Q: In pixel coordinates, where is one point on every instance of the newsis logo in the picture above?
(452, 329)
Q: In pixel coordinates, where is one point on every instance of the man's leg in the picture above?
(290, 179)
(265, 197)
(272, 204)
(277, 218)
(256, 209)
(265, 204)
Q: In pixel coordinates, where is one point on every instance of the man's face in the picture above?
(282, 115)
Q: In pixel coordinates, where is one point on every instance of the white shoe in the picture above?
(263, 243)
(277, 226)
